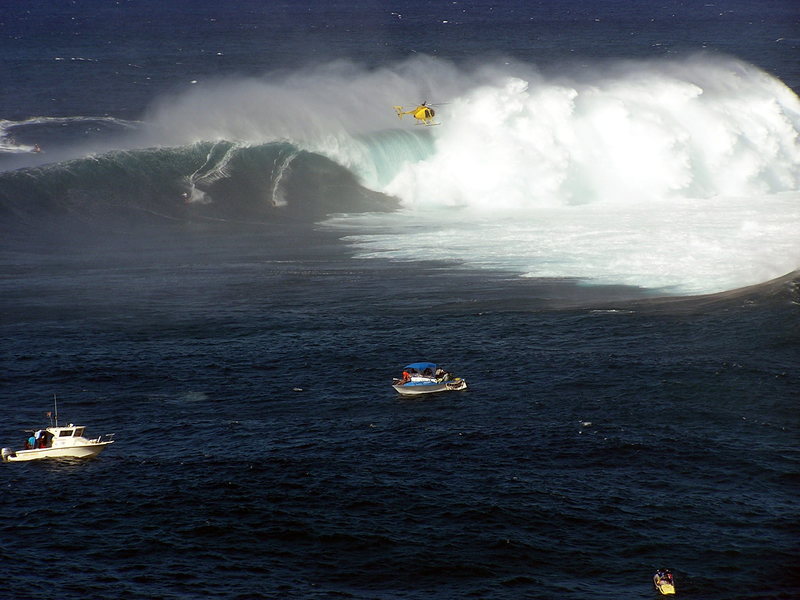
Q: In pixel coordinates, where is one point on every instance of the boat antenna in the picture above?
(55, 406)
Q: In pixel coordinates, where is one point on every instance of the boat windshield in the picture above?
(79, 432)
(65, 432)
(421, 367)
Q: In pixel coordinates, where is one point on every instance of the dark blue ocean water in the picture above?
(243, 355)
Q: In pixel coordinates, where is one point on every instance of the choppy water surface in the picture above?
(262, 453)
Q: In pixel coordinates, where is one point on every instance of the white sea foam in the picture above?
(648, 133)
(679, 176)
(681, 246)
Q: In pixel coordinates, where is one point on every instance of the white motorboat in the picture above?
(57, 442)
(426, 378)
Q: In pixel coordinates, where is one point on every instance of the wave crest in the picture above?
(634, 135)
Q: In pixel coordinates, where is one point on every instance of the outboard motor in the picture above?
(6, 452)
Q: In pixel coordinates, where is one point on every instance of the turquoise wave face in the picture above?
(204, 181)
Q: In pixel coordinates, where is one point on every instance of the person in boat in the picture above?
(30, 443)
(665, 575)
(406, 377)
(41, 437)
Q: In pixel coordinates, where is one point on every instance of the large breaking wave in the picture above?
(205, 181)
(679, 175)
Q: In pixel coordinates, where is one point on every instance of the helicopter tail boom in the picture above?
(400, 112)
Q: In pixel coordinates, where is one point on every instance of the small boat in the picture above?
(426, 378)
(664, 582)
(57, 442)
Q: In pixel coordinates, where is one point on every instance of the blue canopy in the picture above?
(421, 366)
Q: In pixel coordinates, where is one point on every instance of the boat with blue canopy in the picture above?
(426, 378)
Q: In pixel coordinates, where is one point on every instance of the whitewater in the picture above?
(677, 175)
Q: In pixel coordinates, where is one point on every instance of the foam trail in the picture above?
(8, 143)
(282, 170)
(214, 169)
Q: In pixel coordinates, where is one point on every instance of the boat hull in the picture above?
(664, 587)
(413, 388)
(86, 451)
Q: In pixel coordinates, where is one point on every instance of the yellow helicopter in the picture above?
(423, 114)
